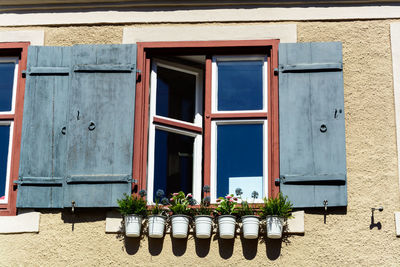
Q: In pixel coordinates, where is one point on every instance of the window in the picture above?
(12, 62)
(211, 107)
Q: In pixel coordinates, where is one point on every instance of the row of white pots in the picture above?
(203, 226)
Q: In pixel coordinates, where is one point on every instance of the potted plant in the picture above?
(203, 219)
(180, 214)
(226, 211)
(276, 211)
(250, 221)
(158, 218)
(133, 209)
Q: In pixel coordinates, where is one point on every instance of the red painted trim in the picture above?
(177, 124)
(22, 47)
(209, 44)
(7, 116)
(252, 115)
(150, 49)
(273, 109)
(207, 123)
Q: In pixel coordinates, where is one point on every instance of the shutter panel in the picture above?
(43, 157)
(101, 125)
(311, 124)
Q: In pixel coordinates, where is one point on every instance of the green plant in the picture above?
(132, 205)
(180, 203)
(204, 208)
(227, 205)
(157, 209)
(245, 208)
(279, 206)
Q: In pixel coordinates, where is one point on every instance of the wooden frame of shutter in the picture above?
(19, 49)
(147, 49)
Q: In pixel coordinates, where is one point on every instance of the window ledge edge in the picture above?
(27, 221)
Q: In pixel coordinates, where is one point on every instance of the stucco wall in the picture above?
(345, 239)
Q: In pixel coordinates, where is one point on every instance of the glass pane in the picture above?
(173, 162)
(240, 85)
(240, 159)
(176, 94)
(6, 85)
(4, 143)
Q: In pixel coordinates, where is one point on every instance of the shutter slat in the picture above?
(42, 145)
(48, 70)
(311, 124)
(40, 180)
(312, 179)
(312, 67)
(116, 178)
(104, 68)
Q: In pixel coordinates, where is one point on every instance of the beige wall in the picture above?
(345, 239)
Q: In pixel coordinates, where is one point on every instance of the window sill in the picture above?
(27, 221)
(295, 225)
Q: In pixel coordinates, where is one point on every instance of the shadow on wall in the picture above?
(202, 246)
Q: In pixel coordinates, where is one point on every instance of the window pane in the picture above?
(240, 85)
(6, 85)
(176, 94)
(173, 162)
(4, 143)
(240, 159)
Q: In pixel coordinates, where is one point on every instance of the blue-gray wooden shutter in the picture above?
(100, 125)
(43, 144)
(311, 124)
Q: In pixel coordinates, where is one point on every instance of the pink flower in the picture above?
(228, 197)
(171, 199)
(175, 194)
(218, 200)
(189, 195)
(230, 200)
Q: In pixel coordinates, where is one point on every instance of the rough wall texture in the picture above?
(345, 239)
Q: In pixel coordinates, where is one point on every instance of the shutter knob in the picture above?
(323, 128)
(92, 126)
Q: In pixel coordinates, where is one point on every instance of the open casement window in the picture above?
(12, 85)
(77, 136)
(250, 139)
(175, 137)
(210, 108)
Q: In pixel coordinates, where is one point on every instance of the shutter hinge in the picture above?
(138, 75)
(24, 74)
(134, 181)
(277, 181)
(276, 72)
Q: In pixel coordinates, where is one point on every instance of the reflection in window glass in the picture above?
(176, 94)
(6, 85)
(240, 159)
(173, 162)
(240, 85)
(4, 143)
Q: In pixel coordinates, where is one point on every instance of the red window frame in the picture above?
(18, 49)
(146, 50)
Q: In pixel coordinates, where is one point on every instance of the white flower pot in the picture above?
(250, 226)
(203, 224)
(180, 226)
(226, 226)
(274, 227)
(133, 224)
(156, 226)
